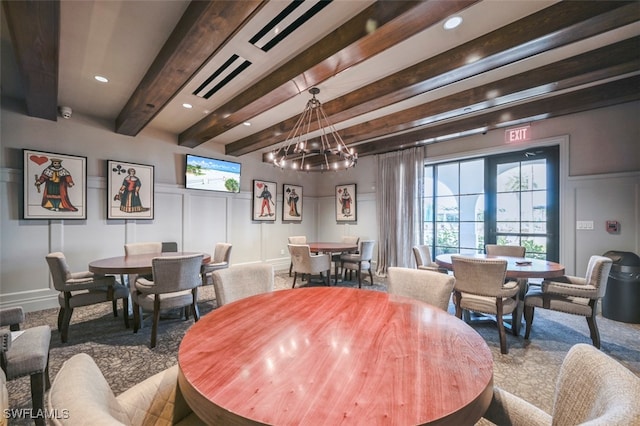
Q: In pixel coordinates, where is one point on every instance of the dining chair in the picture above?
(592, 388)
(151, 247)
(307, 264)
(572, 295)
(428, 286)
(175, 285)
(81, 390)
(360, 261)
(25, 353)
(523, 283)
(298, 239)
(169, 247)
(347, 239)
(480, 287)
(422, 255)
(238, 282)
(220, 260)
(84, 288)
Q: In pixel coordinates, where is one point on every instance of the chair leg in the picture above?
(457, 297)
(137, 323)
(359, 275)
(125, 311)
(370, 276)
(156, 320)
(194, 305)
(528, 317)
(501, 332)
(114, 307)
(60, 318)
(66, 319)
(38, 383)
(593, 329)
(295, 276)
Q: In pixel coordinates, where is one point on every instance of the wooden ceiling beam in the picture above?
(555, 26)
(204, 28)
(344, 47)
(612, 93)
(35, 33)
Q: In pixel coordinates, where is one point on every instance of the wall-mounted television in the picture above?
(211, 174)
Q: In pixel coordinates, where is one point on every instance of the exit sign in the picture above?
(518, 134)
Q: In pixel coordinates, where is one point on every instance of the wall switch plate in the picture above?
(281, 251)
(584, 224)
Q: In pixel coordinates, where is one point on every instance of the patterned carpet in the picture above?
(529, 370)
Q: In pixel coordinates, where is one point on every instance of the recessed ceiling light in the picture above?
(452, 22)
(187, 106)
(101, 79)
(246, 123)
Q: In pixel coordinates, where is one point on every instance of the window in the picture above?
(503, 199)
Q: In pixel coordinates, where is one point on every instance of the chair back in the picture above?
(430, 287)
(300, 257)
(366, 250)
(350, 239)
(169, 247)
(598, 273)
(483, 277)
(222, 253)
(299, 239)
(593, 388)
(422, 254)
(503, 250)
(241, 281)
(176, 273)
(142, 248)
(59, 269)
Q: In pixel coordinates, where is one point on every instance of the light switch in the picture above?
(584, 225)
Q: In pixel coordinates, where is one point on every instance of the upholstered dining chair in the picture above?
(592, 388)
(25, 353)
(175, 285)
(81, 390)
(238, 282)
(480, 287)
(306, 264)
(512, 251)
(151, 247)
(296, 239)
(221, 259)
(572, 295)
(422, 255)
(360, 261)
(428, 286)
(83, 289)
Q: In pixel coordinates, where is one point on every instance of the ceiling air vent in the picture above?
(291, 18)
(223, 75)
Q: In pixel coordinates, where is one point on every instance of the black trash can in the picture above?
(621, 301)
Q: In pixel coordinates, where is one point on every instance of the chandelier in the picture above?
(323, 152)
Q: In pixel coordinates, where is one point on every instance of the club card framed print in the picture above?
(130, 190)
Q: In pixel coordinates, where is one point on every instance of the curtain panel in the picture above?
(399, 207)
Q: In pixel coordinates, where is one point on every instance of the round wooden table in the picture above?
(537, 268)
(139, 264)
(334, 355)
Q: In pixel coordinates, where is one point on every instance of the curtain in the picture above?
(399, 210)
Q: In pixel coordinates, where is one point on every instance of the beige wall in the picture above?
(197, 220)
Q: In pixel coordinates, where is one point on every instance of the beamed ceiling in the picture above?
(390, 76)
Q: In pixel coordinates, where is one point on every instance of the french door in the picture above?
(504, 199)
(522, 201)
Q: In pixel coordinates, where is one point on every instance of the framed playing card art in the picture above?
(129, 190)
(55, 186)
(264, 204)
(291, 203)
(346, 207)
